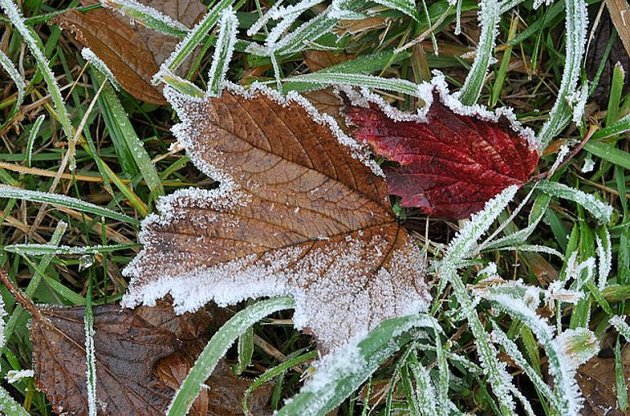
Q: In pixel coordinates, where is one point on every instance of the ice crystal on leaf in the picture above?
(296, 213)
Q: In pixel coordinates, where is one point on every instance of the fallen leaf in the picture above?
(595, 54)
(316, 60)
(127, 346)
(596, 379)
(225, 392)
(327, 102)
(296, 214)
(132, 52)
(449, 164)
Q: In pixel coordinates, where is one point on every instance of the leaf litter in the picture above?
(295, 214)
(133, 53)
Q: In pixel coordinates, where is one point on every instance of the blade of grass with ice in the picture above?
(564, 352)
(64, 201)
(609, 152)
(407, 7)
(600, 210)
(124, 136)
(13, 13)
(218, 346)
(343, 371)
(55, 250)
(147, 16)
(576, 31)
(20, 85)
(32, 135)
(463, 246)
(36, 279)
(488, 21)
(358, 80)
(621, 326)
(194, 38)
(90, 354)
(310, 31)
(222, 52)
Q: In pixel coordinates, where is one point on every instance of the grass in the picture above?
(119, 149)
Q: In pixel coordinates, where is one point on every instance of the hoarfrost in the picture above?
(90, 360)
(14, 376)
(619, 322)
(604, 255)
(121, 6)
(223, 52)
(101, 66)
(3, 314)
(589, 164)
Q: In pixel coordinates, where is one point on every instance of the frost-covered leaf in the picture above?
(296, 214)
(451, 160)
(127, 345)
(133, 53)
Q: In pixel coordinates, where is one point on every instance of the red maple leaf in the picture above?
(448, 165)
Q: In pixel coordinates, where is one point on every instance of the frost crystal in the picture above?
(604, 255)
(13, 376)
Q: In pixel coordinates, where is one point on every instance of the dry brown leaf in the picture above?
(619, 11)
(226, 391)
(132, 52)
(316, 60)
(127, 346)
(296, 214)
(596, 379)
(357, 27)
(595, 53)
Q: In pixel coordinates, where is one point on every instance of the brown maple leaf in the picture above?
(296, 214)
(132, 52)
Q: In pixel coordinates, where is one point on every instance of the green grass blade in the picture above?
(488, 21)
(609, 153)
(32, 135)
(620, 379)
(407, 7)
(358, 80)
(619, 127)
(64, 201)
(147, 16)
(621, 326)
(17, 20)
(194, 38)
(8, 405)
(55, 250)
(616, 90)
(15, 75)
(343, 371)
(222, 52)
(33, 284)
(600, 210)
(122, 131)
(274, 372)
(576, 31)
(218, 346)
